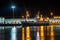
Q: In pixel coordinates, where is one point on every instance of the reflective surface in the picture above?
(51, 32)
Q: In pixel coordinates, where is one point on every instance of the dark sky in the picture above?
(44, 6)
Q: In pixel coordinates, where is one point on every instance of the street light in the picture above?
(13, 7)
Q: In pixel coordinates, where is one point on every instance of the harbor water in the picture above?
(51, 32)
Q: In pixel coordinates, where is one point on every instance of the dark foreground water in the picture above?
(51, 32)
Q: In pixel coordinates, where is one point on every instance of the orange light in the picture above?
(28, 33)
(27, 14)
(22, 16)
(41, 18)
(51, 13)
(41, 32)
(56, 16)
(23, 38)
(52, 33)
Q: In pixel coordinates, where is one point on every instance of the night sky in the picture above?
(33, 6)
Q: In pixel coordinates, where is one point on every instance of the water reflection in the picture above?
(41, 32)
(13, 33)
(1, 33)
(51, 32)
(28, 33)
(38, 36)
(23, 36)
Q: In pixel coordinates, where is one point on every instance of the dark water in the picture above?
(51, 32)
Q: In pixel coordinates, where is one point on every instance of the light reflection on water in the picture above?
(13, 33)
(51, 32)
(41, 32)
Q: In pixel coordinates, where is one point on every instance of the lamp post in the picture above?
(13, 7)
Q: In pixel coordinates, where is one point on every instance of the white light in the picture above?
(37, 38)
(14, 28)
(13, 34)
(13, 7)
